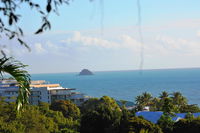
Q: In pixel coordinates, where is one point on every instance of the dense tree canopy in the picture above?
(34, 119)
(103, 117)
(168, 103)
(187, 126)
(136, 124)
(69, 109)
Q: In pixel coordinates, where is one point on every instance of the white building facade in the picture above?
(41, 92)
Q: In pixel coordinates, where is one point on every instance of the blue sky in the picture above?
(171, 32)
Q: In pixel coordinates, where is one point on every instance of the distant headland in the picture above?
(85, 72)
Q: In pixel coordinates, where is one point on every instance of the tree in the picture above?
(16, 70)
(168, 107)
(69, 109)
(155, 104)
(179, 100)
(126, 114)
(187, 126)
(34, 119)
(136, 124)
(90, 104)
(193, 108)
(166, 123)
(10, 29)
(143, 100)
(10, 18)
(189, 116)
(103, 117)
(163, 95)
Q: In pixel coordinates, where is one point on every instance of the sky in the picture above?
(103, 35)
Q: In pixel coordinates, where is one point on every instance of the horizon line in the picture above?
(122, 70)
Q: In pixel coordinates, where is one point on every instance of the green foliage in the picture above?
(156, 104)
(34, 119)
(164, 95)
(166, 123)
(179, 99)
(69, 109)
(144, 131)
(168, 106)
(103, 117)
(10, 17)
(189, 116)
(137, 124)
(16, 70)
(89, 105)
(189, 108)
(187, 126)
(97, 116)
(67, 130)
(176, 103)
(143, 100)
(126, 114)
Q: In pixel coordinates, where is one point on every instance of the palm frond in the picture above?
(16, 70)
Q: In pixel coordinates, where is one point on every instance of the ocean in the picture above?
(127, 85)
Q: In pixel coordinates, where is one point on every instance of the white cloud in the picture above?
(39, 48)
(80, 43)
(179, 45)
(198, 33)
(77, 37)
(124, 41)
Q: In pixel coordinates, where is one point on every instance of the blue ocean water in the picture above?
(127, 85)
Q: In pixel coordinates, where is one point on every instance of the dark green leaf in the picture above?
(48, 7)
(39, 31)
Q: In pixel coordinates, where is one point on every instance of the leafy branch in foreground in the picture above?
(9, 17)
(16, 70)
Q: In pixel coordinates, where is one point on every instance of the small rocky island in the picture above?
(85, 72)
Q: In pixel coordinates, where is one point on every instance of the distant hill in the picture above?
(85, 72)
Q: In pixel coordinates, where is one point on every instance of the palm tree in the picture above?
(155, 104)
(16, 70)
(123, 102)
(143, 100)
(163, 95)
(147, 98)
(179, 99)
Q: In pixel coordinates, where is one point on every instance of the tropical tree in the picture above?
(193, 108)
(69, 109)
(10, 29)
(168, 107)
(136, 124)
(17, 71)
(187, 126)
(189, 116)
(126, 114)
(163, 95)
(166, 123)
(143, 100)
(156, 104)
(103, 117)
(178, 99)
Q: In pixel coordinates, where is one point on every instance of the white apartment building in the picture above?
(41, 92)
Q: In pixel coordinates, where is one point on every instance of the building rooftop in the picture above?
(37, 82)
(45, 85)
(155, 116)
